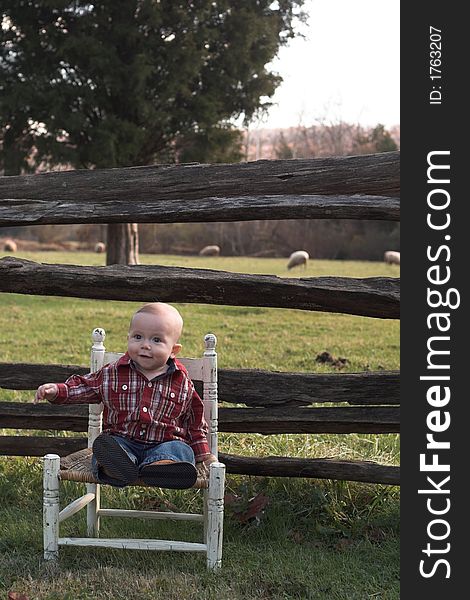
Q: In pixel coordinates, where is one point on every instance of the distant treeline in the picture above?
(330, 239)
(328, 138)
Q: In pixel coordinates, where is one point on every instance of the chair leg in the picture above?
(215, 517)
(205, 503)
(92, 518)
(51, 506)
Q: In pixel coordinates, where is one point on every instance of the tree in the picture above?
(382, 139)
(133, 82)
(283, 150)
(376, 140)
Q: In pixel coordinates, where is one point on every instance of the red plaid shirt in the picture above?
(166, 408)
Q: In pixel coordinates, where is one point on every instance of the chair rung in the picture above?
(127, 544)
(75, 506)
(149, 514)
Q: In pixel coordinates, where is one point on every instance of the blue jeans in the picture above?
(144, 453)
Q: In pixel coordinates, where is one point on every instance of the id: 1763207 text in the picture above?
(435, 62)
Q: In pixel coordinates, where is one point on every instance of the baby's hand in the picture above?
(47, 391)
(210, 459)
(204, 463)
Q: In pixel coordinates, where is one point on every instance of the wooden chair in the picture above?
(77, 467)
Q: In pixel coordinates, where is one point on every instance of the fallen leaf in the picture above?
(296, 536)
(343, 544)
(375, 534)
(17, 596)
(255, 508)
(230, 499)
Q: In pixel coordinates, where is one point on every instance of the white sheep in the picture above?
(299, 257)
(391, 257)
(10, 246)
(210, 251)
(100, 247)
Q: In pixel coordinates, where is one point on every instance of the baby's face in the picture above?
(152, 340)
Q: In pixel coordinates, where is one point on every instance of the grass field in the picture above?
(315, 539)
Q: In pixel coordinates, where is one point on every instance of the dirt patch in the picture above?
(327, 358)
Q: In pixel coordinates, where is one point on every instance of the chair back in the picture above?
(202, 369)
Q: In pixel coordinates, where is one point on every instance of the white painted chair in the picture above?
(77, 467)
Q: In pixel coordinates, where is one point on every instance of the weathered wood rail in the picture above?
(277, 402)
(354, 187)
(273, 399)
(251, 387)
(373, 297)
(275, 466)
(346, 187)
(351, 419)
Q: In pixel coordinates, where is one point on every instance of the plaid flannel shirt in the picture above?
(166, 408)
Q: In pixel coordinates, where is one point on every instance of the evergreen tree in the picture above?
(382, 139)
(376, 140)
(283, 150)
(133, 82)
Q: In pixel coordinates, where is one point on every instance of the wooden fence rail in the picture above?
(251, 387)
(354, 187)
(350, 419)
(373, 297)
(277, 404)
(275, 466)
(346, 187)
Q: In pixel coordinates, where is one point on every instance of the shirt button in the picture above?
(172, 395)
(145, 409)
(124, 387)
(150, 384)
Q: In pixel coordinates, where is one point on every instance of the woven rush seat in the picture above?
(77, 467)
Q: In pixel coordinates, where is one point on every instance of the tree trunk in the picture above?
(122, 244)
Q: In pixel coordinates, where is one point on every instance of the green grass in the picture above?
(58, 329)
(315, 539)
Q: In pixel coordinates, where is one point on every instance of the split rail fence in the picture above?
(356, 187)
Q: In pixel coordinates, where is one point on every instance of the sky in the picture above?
(347, 68)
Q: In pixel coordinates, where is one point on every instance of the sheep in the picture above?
(100, 247)
(300, 257)
(10, 246)
(391, 257)
(210, 251)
